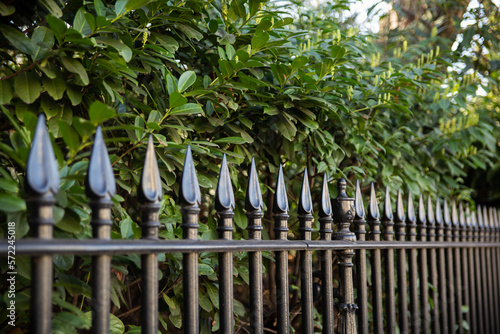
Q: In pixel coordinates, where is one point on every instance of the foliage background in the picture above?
(281, 82)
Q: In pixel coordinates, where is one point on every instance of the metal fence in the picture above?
(424, 267)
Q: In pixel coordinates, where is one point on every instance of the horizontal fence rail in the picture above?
(431, 270)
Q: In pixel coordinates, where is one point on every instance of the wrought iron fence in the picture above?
(424, 266)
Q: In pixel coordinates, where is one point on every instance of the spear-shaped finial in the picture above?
(150, 188)
(325, 208)
(439, 221)
(305, 202)
(42, 174)
(412, 219)
(373, 212)
(447, 222)
(400, 218)
(253, 199)
(430, 212)
(189, 193)
(358, 203)
(388, 216)
(280, 204)
(100, 178)
(224, 196)
(422, 220)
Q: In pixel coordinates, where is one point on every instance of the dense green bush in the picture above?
(300, 88)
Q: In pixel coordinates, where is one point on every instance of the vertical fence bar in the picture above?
(362, 284)
(280, 210)
(305, 210)
(150, 194)
(441, 265)
(254, 205)
(390, 296)
(496, 252)
(424, 290)
(480, 271)
(432, 262)
(472, 273)
(399, 228)
(493, 264)
(343, 216)
(465, 265)
(457, 261)
(190, 201)
(449, 262)
(489, 289)
(100, 188)
(42, 184)
(325, 220)
(224, 204)
(413, 268)
(376, 263)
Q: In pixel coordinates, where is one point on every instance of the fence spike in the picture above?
(411, 210)
(439, 214)
(150, 189)
(253, 199)
(421, 211)
(487, 223)
(400, 210)
(280, 204)
(189, 193)
(42, 173)
(388, 215)
(358, 202)
(100, 178)
(325, 209)
(373, 212)
(224, 196)
(305, 201)
(455, 221)
(446, 214)
(430, 212)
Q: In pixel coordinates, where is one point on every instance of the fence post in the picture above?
(190, 200)
(413, 268)
(150, 195)
(457, 261)
(100, 188)
(42, 184)
(424, 289)
(343, 216)
(390, 295)
(254, 205)
(325, 220)
(224, 204)
(362, 288)
(399, 228)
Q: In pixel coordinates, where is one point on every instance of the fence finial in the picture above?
(150, 188)
(373, 212)
(253, 199)
(400, 225)
(412, 219)
(189, 193)
(305, 202)
(325, 208)
(100, 178)
(280, 205)
(447, 222)
(358, 202)
(388, 215)
(42, 173)
(421, 220)
(430, 212)
(224, 195)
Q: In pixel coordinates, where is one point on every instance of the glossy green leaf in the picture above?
(186, 80)
(9, 203)
(52, 7)
(17, 38)
(75, 66)
(70, 136)
(122, 49)
(187, 109)
(100, 112)
(176, 100)
(27, 87)
(259, 40)
(55, 87)
(80, 23)
(6, 92)
(42, 41)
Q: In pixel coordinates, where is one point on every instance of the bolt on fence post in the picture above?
(42, 184)
(343, 216)
(325, 220)
(280, 210)
(362, 288)
(254, 205)
(150, 194)
(190, 201)
(224, 204)
(305, 210)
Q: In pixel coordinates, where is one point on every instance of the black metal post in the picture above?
(325, 219)
(424, 290)
(42, 184)
(362, 284)
(413, 268)
(493, 264)
(305, 210)
(224, 204)
(100, 188)
(150, 195)
(280, 210)
(465, 264)
(449, 262)
(474, 325)
(376, 263)
(441, 265)
(457, 261)
(432, 262)
(479, 273)
(343, 215)
(190, 200)
(400, 233)
(254, 205)
(390, 295)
